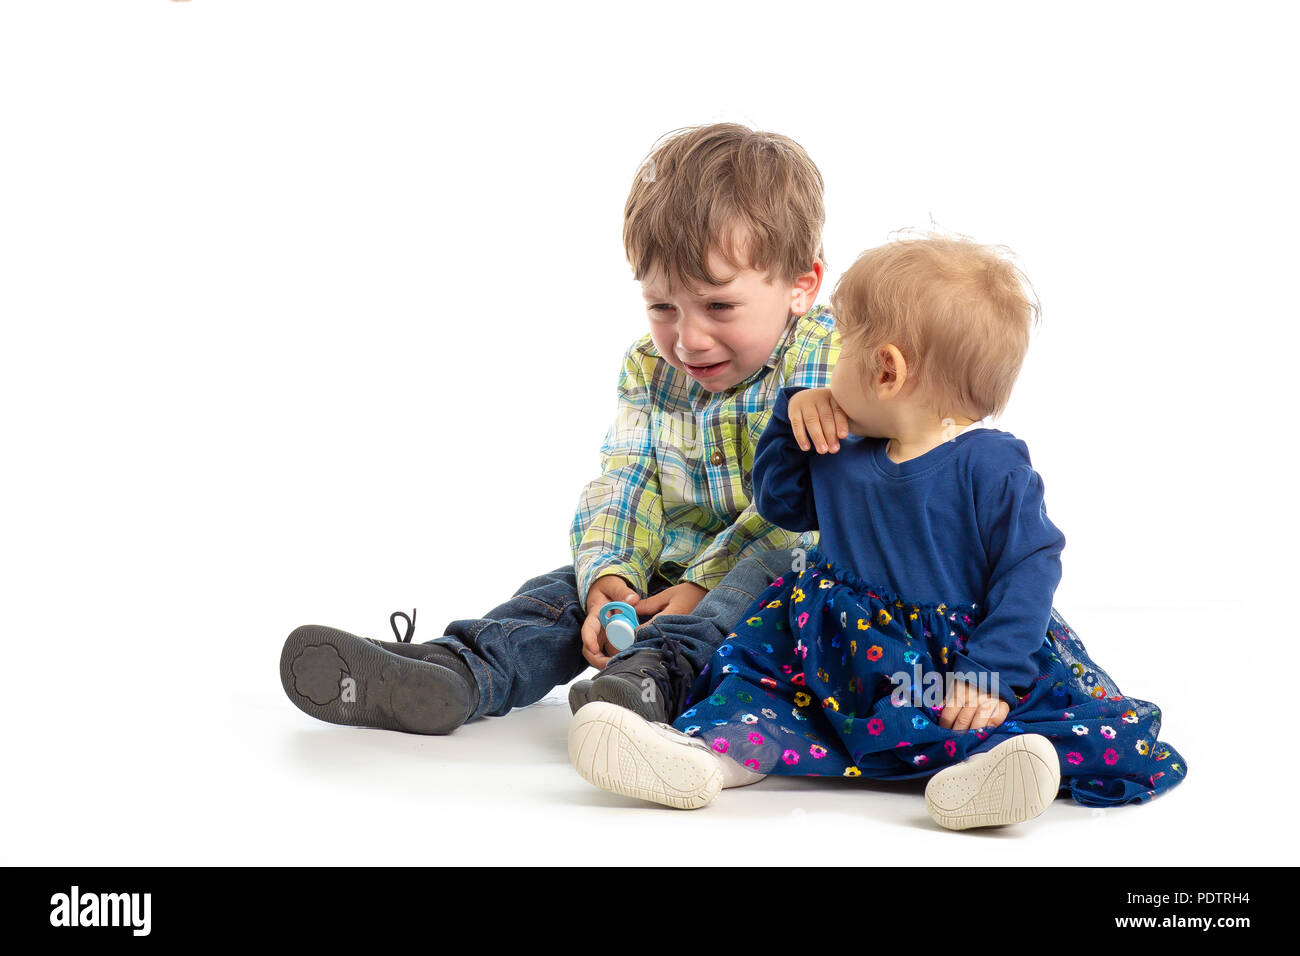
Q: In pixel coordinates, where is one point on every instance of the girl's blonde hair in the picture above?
(959, 312)
(754, 197)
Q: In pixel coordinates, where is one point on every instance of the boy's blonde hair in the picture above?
(959, 312)
(754, 197)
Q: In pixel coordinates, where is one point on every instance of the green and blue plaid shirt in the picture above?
(674, 491)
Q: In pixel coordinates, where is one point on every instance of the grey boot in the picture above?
(652, 683)
(344, 679)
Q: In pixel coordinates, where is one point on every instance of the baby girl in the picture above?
(919, 640)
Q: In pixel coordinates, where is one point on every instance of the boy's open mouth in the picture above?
(706, 371)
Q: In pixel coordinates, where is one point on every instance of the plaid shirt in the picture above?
(675, 484)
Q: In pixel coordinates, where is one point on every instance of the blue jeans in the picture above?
(523, 649)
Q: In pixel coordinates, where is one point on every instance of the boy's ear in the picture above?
(805, 287)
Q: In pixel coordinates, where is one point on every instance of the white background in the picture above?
(313, 310)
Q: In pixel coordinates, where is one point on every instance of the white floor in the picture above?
(220, 768)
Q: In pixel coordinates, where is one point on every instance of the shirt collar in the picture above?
(787, 337)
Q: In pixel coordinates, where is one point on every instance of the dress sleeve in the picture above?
(619, 525)
(782, 477)
(1023, 549)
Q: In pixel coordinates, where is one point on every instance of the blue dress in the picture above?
(835, 672)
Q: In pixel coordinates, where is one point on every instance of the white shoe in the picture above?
(621, 752)
(1013, 782)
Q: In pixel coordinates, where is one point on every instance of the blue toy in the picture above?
(618, 618)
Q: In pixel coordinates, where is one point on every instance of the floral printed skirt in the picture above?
(828, 676)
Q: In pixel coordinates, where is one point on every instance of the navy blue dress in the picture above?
(939, 566)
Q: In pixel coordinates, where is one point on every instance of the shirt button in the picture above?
(717, 458)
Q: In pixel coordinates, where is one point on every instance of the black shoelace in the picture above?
(410, 626)
(672, 683)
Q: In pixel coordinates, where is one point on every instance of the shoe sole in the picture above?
(614, 749)
(617, 692)
(343, 679)
(1015, 781)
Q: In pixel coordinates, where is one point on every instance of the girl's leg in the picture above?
(618, 751)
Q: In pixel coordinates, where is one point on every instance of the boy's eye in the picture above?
(720, 306)
(661, 307)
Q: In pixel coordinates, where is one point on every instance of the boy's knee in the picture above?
(777, 562)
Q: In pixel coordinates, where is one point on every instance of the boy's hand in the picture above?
(965, 708)
(815, 415)
(678, 599)
(610, 587)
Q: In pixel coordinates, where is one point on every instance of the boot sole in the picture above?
(614, 749)
(343, 679)
(1015, 781)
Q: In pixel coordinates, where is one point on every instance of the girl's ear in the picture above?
(893, 371)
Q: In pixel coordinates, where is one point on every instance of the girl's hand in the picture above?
(965, 708)
(815, 415)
